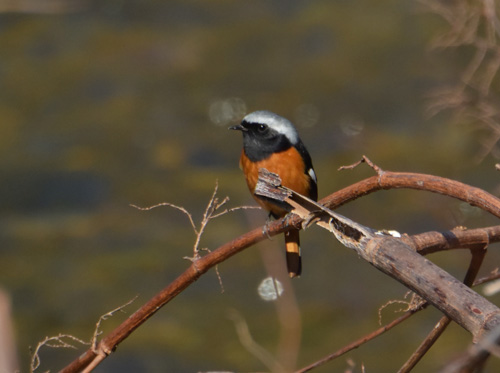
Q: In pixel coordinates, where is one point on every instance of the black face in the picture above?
(260, 141)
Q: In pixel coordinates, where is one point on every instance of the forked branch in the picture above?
(395, 257)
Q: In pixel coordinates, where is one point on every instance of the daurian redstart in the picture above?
(272, 142)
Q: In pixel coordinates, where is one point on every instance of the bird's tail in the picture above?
(293, 260)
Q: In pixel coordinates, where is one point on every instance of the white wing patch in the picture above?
(312, 174)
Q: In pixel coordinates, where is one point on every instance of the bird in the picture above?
(272, 142)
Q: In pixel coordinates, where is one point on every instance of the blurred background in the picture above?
(110, 103)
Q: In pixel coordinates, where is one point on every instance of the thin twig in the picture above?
(364, 159)
(476, 25)
(357, 343)
(232, 209)
(53, 342)
(494, 275)
(415, 303)
(104, 317)
(212, 206)
(180, 208)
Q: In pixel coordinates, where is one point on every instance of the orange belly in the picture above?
(288, 165)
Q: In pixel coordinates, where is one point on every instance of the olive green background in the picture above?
(109, 103)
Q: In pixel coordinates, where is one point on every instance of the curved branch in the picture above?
(407, 180)
(385, 180)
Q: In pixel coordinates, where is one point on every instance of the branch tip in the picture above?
(366, 160)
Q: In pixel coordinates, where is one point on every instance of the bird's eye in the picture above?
(261, 127)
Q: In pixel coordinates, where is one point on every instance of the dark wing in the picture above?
(308, 170)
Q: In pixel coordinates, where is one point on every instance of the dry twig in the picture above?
(97, 330)
(473, 25)
(57, 341)
(211, 212)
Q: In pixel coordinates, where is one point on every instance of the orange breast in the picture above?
(287, 164)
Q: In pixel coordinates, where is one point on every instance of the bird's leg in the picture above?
(265, 229)
(287, 218)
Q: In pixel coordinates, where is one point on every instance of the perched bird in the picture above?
(272, 142)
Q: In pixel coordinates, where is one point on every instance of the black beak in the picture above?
(238, 127)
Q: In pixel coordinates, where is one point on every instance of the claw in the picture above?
(265, 228)
(311, 219)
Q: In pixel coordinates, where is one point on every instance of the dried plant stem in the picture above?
(473, 25)
(58, 341)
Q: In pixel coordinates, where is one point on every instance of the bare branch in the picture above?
(180, 208)
(396, 259)
(440, 327)
(387, 180)
(357, 343)
(435, 184)
(494, 275)
(232, 209)
(475, 356)
(364, 159)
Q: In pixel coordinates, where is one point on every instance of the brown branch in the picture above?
(396, 259)
(384, 180)
(495, 275)
(390, 256)
(430, 183)
(190, 275)
(475, 239)
(357, 343)
(442, 324)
